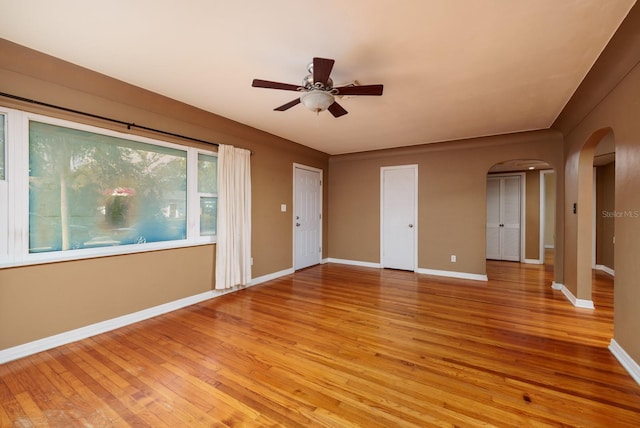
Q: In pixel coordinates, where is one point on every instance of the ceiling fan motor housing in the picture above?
(309, 84)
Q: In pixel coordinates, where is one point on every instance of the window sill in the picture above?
(76, 255)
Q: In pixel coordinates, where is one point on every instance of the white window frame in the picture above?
(14, 190)
(199, 195)
(4, 192)
(193, 226)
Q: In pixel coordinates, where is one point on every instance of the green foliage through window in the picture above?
(208, 189)
(89, 190)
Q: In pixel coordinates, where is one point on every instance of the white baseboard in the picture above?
(585, 304)
(450, 274)
(627, 362)
(533, 261)
(578, 303)
(453, 274)
(605, 269)
(557, 286)
(50, 342)
(549, 246)
(354, 263)
(269, 277)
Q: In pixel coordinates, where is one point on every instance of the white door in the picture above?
(307, 217)
(503, 217)
(399, 202)
(493, 219)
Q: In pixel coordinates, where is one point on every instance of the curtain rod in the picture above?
(129, 125)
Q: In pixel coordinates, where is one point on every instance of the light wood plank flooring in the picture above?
(340, 346)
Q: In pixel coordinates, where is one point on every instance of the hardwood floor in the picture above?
(341, 346)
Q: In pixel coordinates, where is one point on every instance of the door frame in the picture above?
(414, 167)
(523, 206)
(293, 210)
(594, 227)
(543, 209)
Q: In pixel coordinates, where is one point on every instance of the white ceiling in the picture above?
(451, 69)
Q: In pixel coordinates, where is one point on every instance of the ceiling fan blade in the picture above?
(322, 69)
(257, 83)
(360, 90)
(288, 105)
(337, 110)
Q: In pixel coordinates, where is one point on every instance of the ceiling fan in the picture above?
(318, 92)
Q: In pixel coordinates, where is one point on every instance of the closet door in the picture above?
(398, 217)
(510, 218)
(493, 218)
(503, 218)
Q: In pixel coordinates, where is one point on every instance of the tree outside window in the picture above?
(90, 190)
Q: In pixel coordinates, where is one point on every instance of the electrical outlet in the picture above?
(453, 258)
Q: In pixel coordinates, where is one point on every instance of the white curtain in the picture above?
(233, 248)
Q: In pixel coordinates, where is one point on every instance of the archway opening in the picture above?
(604, 238)
(598, 152)
(521, 212)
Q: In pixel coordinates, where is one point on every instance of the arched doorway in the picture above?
(522, 190)
(602, 143)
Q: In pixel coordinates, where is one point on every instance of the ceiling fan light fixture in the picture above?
(317, 100)
(317, 92)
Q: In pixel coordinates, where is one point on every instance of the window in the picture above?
(4, 200)
(95, 192)
(3, 127)
(208, 193)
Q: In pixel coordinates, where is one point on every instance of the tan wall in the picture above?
(44, 300)
(451, 197)
(618, 110)
(532, 216)
(39, 301)
(605, 223)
